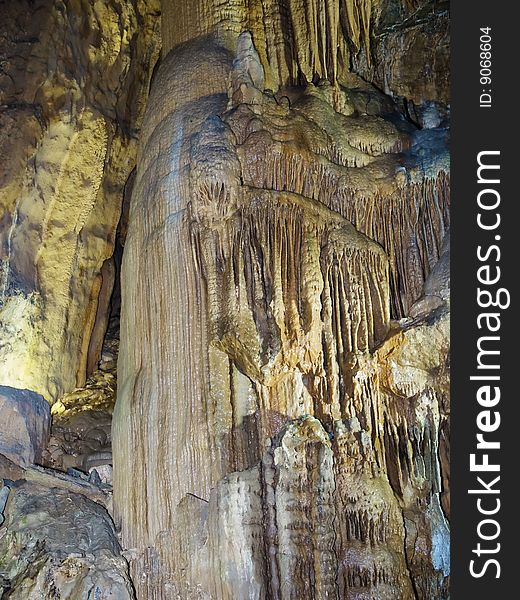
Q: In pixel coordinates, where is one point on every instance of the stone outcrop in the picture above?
(76, 482)
(57, 544)
(81, 441)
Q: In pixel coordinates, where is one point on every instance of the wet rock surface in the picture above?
(58, 544)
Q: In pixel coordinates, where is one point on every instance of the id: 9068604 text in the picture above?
(485, 67)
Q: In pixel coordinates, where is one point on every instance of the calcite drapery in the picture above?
(283, 442)
(402, 46)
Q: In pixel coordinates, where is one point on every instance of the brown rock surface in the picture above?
(409, 55)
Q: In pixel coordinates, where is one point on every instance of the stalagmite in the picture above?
(269, 458)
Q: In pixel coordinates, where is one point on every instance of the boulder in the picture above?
(58, 544)
(25, 419)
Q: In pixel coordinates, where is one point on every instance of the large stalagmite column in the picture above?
(259, 450)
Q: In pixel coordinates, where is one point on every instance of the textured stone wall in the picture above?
(73, 83)
(74, 77)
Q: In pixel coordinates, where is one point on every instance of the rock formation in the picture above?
(281, 427)
(280, 446)
(73, 83)
(52, 562)
(74, 77)
(26, 421)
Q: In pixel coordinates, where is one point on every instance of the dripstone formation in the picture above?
(281, 429)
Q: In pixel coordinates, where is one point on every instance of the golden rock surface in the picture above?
(72, 91)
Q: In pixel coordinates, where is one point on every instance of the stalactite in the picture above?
(312, 31)
(410, 225)
(359, 14)
(278, 427)
(409, 219)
